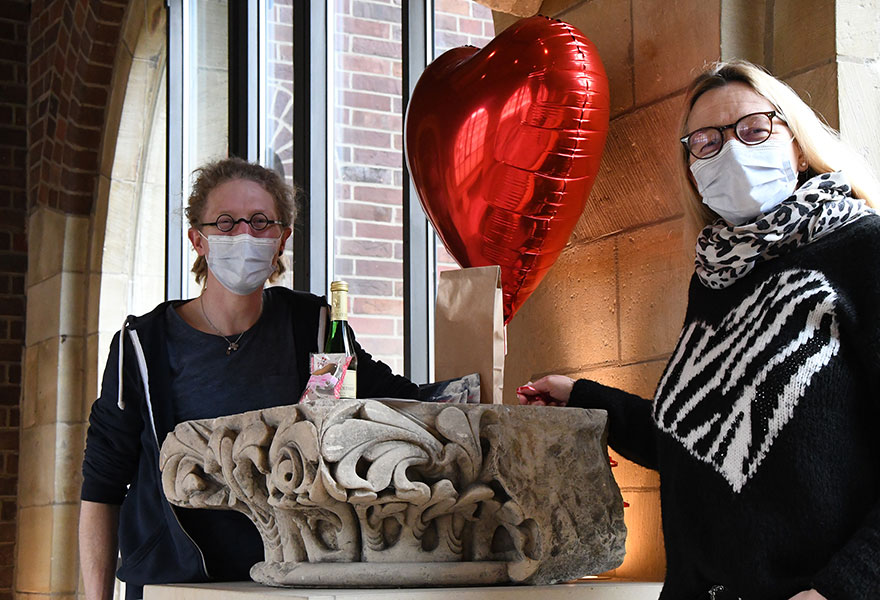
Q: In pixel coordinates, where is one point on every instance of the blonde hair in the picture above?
(212, 175)
(821, 145)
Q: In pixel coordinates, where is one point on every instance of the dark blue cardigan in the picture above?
(125, 434)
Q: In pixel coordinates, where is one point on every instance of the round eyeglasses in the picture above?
(752, 129)
(257, 222)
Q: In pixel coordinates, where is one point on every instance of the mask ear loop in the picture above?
(802, 173)
(277, 270)
(205, 255)
(805, 171)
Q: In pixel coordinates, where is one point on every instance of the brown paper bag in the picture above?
(469, 329)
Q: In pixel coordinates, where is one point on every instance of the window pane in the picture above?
(276, 139)
(206, 96)
(366, 170)
(459, 23)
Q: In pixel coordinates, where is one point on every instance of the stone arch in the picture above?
(126, 255)
(114, 55)
(128, 221)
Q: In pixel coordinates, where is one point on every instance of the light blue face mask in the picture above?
(742, 182)
(241, 263)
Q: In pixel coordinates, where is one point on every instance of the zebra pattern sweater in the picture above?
(765, 428)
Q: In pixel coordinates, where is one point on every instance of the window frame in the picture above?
(313, 146)
(175, 250)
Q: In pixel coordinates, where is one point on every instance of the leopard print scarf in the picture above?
(823, 204)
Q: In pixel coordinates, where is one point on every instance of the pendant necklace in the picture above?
(233, 346)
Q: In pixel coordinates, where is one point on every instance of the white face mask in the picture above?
(241, 263)
(742, 182)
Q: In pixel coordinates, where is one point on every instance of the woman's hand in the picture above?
(552, 390)
(809, 595)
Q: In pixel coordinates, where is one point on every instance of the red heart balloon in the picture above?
(504, 144)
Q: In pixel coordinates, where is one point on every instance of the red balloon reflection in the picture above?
(504, 144)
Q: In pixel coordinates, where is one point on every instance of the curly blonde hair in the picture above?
(211, 175)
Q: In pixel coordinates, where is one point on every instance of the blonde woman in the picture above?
(763, 424)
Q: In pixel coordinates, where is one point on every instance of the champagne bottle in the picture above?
(340, 339)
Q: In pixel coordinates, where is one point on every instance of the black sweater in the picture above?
(764, 428)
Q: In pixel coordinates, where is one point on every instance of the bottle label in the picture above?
(348, 391)
(339, 306)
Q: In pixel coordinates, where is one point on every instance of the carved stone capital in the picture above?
(395, 493)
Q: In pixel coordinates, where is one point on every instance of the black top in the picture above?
(763, 428)
(260, 374)
(206, 382)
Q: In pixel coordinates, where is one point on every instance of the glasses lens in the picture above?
(225, 223)
(753, 129)
(704, 143)
(259, 222)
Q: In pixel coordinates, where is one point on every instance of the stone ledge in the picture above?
(588, 590)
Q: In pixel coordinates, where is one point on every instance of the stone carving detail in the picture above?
(391, 493)
(519, 8)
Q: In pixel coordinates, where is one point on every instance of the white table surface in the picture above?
(582, 590)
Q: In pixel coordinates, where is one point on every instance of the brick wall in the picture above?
(72, 47)
(13, 264)
(369, 157)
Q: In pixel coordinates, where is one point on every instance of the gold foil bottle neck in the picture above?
(339, 301)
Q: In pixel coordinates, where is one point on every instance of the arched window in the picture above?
(130, 213)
